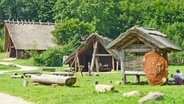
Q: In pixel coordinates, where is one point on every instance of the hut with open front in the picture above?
(92, 55)
(22, 36)
(134, 43)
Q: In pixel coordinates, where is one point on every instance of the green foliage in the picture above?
(26, 9)
(71, 33)
(72, 29)
(51, 57)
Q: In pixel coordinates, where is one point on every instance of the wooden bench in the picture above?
(48, 69)
(136, 73)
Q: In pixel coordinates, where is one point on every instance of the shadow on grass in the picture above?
(74, 86)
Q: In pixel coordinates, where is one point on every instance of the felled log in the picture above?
(48, 69)
(63, 73)
(155, 67)
(53, 79)
(29, 74)
(151, 96)
(17, 76)
(103, 88)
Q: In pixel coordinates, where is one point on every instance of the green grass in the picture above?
(83, 91)
(4, 67)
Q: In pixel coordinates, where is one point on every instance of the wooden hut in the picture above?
(134, 43)
(92, 55)
(21, 36)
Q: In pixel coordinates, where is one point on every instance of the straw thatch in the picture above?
(149, 36)
(29, 36)
(26, 35)
(86, 48)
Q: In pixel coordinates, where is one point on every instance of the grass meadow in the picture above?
(83, 91)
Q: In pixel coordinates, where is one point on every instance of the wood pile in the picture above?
(49, 69)
(156, 68)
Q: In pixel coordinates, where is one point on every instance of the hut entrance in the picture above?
(87, 62)
(12, 52)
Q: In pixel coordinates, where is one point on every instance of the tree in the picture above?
(71, 29)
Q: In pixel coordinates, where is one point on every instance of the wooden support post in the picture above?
(113, 63)
(117, 64)
(97, 67)
(75, 64)
(78, 64)
(93, 56)
(122, 58)
(137, 78)
(166, 58)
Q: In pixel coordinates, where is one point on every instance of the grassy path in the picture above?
(22, 68)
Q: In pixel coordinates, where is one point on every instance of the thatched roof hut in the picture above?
(137, 41)
(25, 35)
(92, 54)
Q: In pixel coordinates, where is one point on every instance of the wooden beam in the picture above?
(117, 64)
(122, 58)
(138, 50)
(97, 67)
(145, 42)
(113, 60)
(75, 59)
(103, 55)
(93, 56)
(128, 43)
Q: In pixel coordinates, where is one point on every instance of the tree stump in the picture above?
(155, 67)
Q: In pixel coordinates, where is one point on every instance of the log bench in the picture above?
(49, 69)
(63, 73)
(136, 73)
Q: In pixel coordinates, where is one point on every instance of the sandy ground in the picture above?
(8, 99)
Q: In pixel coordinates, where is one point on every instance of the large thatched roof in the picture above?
(149, 35)
(29, 35)
(104, 41)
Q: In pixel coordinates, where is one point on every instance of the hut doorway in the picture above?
(12, 52)
(87, 62)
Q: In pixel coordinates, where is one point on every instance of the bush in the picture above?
(51, 57)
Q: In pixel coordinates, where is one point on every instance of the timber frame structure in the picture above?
(92, 55)
(138, 41)
(23, 36)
